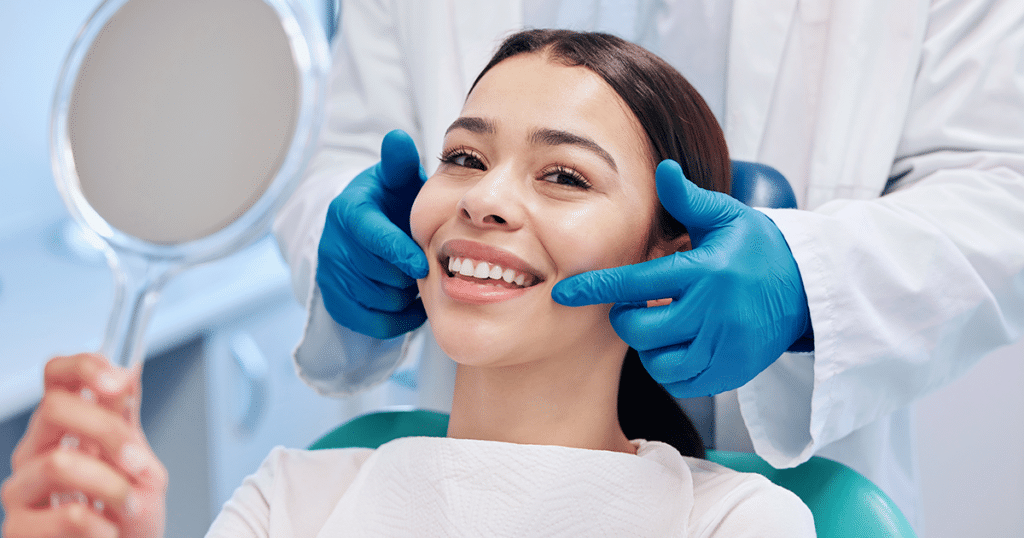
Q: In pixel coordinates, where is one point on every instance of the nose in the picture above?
(494, 201)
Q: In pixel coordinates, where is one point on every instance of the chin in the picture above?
(474, 335)
(480, 344)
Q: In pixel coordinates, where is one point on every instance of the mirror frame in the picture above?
(312, 62)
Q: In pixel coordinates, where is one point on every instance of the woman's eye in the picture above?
(464, 159)
(566, 176)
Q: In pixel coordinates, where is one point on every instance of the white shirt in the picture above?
(424, 486)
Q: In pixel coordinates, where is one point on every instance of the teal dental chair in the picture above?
(844, 503)
(760, 185)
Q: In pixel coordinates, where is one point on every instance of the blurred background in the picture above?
(219, 385)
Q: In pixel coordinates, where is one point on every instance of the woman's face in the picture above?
(546, 174)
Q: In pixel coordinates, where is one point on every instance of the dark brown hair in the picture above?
(679, 126)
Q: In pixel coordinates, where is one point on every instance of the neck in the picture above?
(565, 401)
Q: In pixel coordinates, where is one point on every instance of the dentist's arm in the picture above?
(737, 298)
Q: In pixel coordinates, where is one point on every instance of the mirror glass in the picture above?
(178, 128)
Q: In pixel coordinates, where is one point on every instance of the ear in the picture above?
(664, 247)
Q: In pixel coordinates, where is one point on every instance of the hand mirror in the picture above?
(178, 128)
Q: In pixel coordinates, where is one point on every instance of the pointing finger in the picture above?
(376, 233)
(659, 278)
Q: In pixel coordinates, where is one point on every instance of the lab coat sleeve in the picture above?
(369, 96)
(909, 290)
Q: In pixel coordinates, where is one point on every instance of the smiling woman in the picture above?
(548, 173)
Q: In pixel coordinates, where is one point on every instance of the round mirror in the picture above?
(179, 127)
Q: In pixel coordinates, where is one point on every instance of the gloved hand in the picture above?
(368, 262)
(737, 298)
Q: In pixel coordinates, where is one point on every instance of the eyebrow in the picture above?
(471, 124)
(547, 137)
(555, 137)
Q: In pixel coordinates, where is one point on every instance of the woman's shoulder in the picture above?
(291, 494)
(732, 503)
(290, 472)
(302, 466)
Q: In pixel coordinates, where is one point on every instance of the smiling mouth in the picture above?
(485, 273)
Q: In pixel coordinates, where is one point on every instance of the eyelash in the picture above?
(450, 156)
(575, 178)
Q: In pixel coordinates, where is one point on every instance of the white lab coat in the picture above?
(848, 100)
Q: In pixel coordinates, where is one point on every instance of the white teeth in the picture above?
(484, 270)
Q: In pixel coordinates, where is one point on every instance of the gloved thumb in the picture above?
(699, 210)
(400, 163)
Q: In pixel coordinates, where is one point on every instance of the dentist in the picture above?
(899, 123)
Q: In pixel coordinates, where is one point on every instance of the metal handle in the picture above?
(255, 371)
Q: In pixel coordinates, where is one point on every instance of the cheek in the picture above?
(427, 213)
(593, 238)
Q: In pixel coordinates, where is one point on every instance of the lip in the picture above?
(465, 291)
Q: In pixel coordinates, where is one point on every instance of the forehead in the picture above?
(532, 91)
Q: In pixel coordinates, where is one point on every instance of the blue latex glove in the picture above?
(368, 262)
(737, 299)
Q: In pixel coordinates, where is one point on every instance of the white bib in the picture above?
(422, 486)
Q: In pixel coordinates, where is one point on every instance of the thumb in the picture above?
(698, 209)
(400, 162)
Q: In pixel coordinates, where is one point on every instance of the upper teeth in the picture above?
(468, 267)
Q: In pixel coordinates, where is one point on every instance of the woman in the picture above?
(548, 172)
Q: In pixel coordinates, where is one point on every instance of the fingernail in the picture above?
(108, 382)
(87, 394)
(69, 442)
(131, 504)
(133, 459)
(129, 408)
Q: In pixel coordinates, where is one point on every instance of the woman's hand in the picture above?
(84, 467)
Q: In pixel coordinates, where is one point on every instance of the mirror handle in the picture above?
(137, 285)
